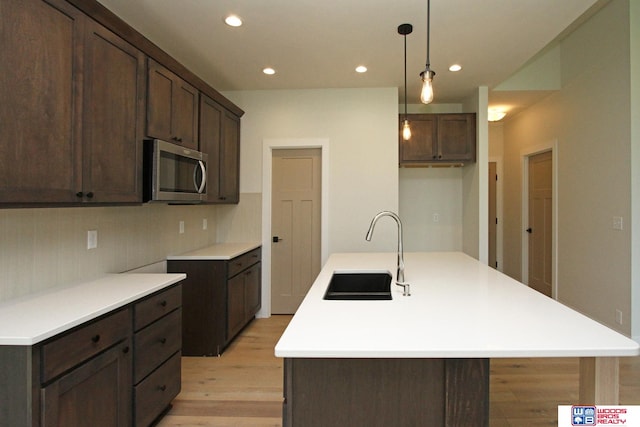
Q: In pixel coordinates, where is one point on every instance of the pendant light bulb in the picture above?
(406, 130)
(426, 95)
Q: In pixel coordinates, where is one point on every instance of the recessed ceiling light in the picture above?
(361, 69)
(270, 71)
(233, 21)
(455, 67)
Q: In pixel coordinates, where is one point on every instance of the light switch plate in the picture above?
(617, 223)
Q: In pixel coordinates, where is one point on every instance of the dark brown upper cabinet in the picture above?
(72, 97)
(220, 140)
(172, 108)
(439, 139)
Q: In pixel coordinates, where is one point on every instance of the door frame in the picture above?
(525, 153)
(499, 211)
(268, 145)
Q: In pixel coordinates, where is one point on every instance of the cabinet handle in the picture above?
(222, 198)
(162, 387)
(163, 340)
(163, 303)
(95, 338)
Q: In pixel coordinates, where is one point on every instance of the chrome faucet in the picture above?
(400, 271)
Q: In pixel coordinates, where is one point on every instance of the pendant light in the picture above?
(403, 30)
(426, 95)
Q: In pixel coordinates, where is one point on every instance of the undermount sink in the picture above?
(359, 285)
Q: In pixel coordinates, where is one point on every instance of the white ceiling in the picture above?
(318, 44)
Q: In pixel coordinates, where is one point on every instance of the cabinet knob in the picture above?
(95, 338)
(90, 195)
(222, 198)
(163, 303)
(162, 387)
(125, 350)
(163, 340)
(79, 194)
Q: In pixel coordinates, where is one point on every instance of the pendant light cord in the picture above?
(405, 77)
(428, 31)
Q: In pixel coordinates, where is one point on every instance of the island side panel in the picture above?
(467, 392)
(363, 392)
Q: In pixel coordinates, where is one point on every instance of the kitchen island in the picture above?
(424, 359)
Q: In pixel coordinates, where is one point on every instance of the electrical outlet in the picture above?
(619, 317)
(92, 239)
(617, 223)
(204, 224)
(436, 217)
(181, 227)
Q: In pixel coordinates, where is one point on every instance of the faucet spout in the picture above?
(400, 257)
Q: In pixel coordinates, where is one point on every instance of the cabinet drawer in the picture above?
(156, 306)
(156, 343)
(239, 263)
(153, 394)
(79, 345)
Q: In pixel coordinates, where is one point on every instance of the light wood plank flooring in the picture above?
(244, 386)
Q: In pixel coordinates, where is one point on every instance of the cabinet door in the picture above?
(456, 136)
(97, 393)
(211, 114)
(185, 114)
(172, 107)
(252, 290)
(39, 142)
(235, 305)
(422, 147)
(160, 84)
(230, 159)
(114, 93)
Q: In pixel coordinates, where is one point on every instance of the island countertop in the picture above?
(458, 308)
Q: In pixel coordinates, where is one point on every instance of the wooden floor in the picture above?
(244, 386)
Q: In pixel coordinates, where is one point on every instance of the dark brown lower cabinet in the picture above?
(219, 298)
(119, 370)
(386, 392)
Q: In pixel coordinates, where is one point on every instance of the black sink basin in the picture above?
(359, 286)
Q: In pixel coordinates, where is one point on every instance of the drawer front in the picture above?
(155, 343)
(156, 306)
(153, 394)
(239, 263)
(74, 348)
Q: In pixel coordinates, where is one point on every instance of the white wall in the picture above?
(634, 50)
(590, 119)
(360, 125)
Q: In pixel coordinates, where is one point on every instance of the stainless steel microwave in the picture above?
(173, 173)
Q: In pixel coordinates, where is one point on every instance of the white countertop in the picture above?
(34, 318)
(458, 308)
(221, 251)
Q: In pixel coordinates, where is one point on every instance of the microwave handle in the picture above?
(200, 188)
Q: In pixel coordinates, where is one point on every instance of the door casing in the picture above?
(268, 145)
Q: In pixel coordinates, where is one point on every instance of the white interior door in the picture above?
(295, 226)
(540, 226)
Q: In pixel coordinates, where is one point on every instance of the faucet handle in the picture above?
(406, 291)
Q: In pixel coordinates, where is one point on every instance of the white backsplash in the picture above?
(42, 248)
